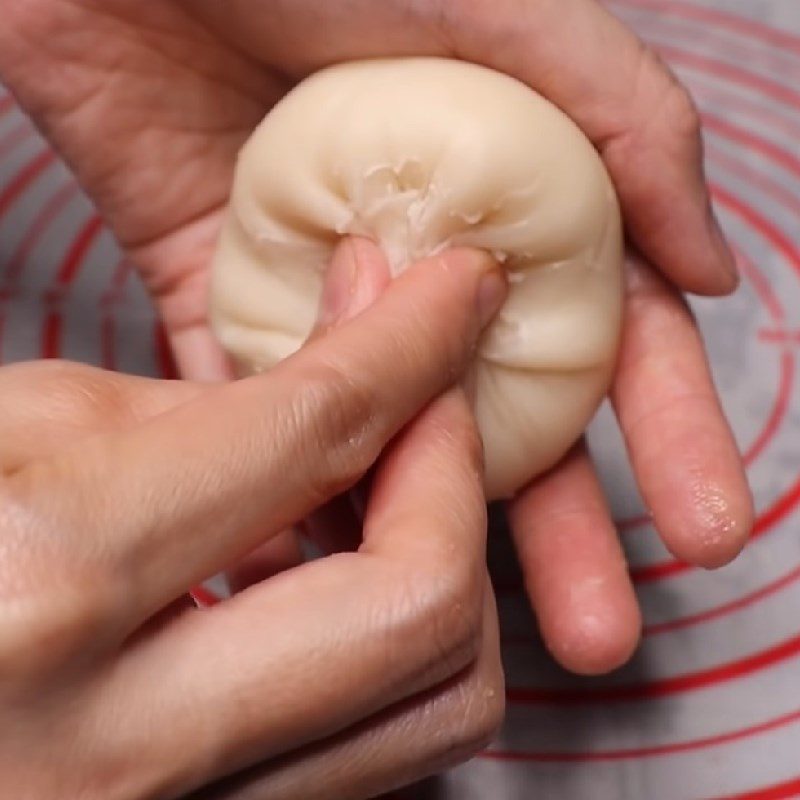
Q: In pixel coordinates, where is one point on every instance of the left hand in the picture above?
(149, 103)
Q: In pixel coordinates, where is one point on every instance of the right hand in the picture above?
(342, 678)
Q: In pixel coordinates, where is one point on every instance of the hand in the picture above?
(150, 103)
(119, 493)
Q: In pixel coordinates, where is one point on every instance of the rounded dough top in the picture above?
(419, 154)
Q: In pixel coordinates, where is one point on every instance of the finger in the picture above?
(48, 405)
(637, 114)
(681, 447)
(357, 276)
(280, 553)
(574, 568)
(334, 527)
(410, 741)
(339, 639)
(193, 490)
(198, 354)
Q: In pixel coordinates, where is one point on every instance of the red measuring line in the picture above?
(15, 137)
(32, 170)
(723, 19)
(772, 336)
(664, 687)
(6, 104)
(164, 357)
(735, 74)
(739, 104)
(203, 597)
(52, 327)
(767, 61)
(46, 216)
(777, 791)
(755, 178)
(108, 302)
(567, 757)
(754, 142)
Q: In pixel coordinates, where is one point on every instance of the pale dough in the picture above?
(419, 154)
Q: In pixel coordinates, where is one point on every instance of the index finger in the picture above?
(160, 507)
(640, 118)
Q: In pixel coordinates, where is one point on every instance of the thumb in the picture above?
(356, 276)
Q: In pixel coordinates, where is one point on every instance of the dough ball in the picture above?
(419, 154)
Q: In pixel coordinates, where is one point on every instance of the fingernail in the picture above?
(357, 275)
(339, 287)
(492, 293)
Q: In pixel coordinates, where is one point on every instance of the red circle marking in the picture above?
(759, 144)
(164, 356)
(734, 74)
(786, 379)
(108, 303)
(27, 175)
(713, 93)
(732, 165)
(675, 30)
(6, 104)
(663, 687)
(777, 791)
(15, 137)
(734, 22)
(567, 757)
(203, 597)
(52, 327)
(73, 260)
(47, 214)
(16, 263)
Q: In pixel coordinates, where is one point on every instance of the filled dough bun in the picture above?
(419, 154)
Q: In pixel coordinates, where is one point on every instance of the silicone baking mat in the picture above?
(710, 706)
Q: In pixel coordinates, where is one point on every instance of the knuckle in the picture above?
(681, 111)
(453, 613)
(668, 100)
(50, 629)
(76, 393)
(93, 394)
(53, 609)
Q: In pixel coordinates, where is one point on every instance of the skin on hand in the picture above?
(120, 493)
(149, 103)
